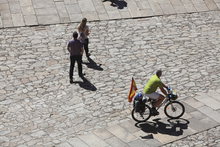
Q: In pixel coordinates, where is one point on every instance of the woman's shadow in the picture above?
(92, 64)
(86, 84)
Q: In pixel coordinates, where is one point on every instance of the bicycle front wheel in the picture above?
(141, 117)
(174, 109)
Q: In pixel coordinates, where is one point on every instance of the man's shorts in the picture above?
(153, 95)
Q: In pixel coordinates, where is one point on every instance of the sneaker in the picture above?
(154, 111)
(82, 75)
(88, 55)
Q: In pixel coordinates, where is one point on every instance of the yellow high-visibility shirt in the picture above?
(153, 83)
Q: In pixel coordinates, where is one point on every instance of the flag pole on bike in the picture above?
(133, 90)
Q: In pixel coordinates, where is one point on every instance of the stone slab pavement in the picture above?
(39, 107)
(16, 13)
(199, 119)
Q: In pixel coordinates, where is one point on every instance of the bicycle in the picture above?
(173, 109)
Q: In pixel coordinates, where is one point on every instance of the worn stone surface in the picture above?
(38, 106)
(209, 137)
(65, 11)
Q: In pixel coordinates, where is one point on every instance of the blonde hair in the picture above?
(82, 25)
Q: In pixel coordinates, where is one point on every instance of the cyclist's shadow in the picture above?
(174, 127)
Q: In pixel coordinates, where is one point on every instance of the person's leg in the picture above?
(79, 62)
(72, 62)
(86, 47)
(159, 101)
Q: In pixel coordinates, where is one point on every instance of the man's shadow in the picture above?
(174, 127)
(86, 84)
(117, 3)
(92, 64)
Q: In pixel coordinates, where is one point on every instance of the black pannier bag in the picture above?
(139, 103)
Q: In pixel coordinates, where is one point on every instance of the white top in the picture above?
(85, 33)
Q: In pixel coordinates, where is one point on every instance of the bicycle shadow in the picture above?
(92, 64)
(174, 127)
(86, 84)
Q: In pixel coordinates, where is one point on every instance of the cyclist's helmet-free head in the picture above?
(159, 73)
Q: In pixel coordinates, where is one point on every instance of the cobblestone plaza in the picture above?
(38, 106)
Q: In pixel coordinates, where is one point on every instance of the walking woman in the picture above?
(83, 30)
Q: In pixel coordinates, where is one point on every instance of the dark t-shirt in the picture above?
(75, 46)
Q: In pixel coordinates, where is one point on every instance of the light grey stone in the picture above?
(115, 142)
(48, 19)
(211, 102)
(65, 144)
(211, 113)
(102, 133)
(30, 20)
(121, 133)
(77, 142)
(17, 19)
(93, 140)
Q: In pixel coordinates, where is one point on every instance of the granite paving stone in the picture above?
(115, 142)
(211, 4)
(138, 143)
(15, 7)
(167, 8)
(133, 9)
(103, 133)
(48, 19)
(153, 143)
(17, 19)
(76, 17)
(198, 115)
(1, 24)
(206, 138)
(214, 94)
(28, 10)
(121, 133)
(210, 112)
(38, 106)
(77, 142)
(193, 102)
(98, 10)
(86, 5)
(201, 125)
(129, 126)
(93, 140)
(25, 2)
(211, 102)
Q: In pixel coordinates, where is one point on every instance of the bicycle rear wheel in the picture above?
(174, 109)
(141, 117)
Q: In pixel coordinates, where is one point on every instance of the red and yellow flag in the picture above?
(132, 90)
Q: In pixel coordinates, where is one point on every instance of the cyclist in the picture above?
(150, 90)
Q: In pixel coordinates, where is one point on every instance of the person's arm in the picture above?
(68, 47)
(87, 31)
(164, 86)
(163, 91)
(81, 49)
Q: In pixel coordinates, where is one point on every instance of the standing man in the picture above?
(150, 90)
(75, 48)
